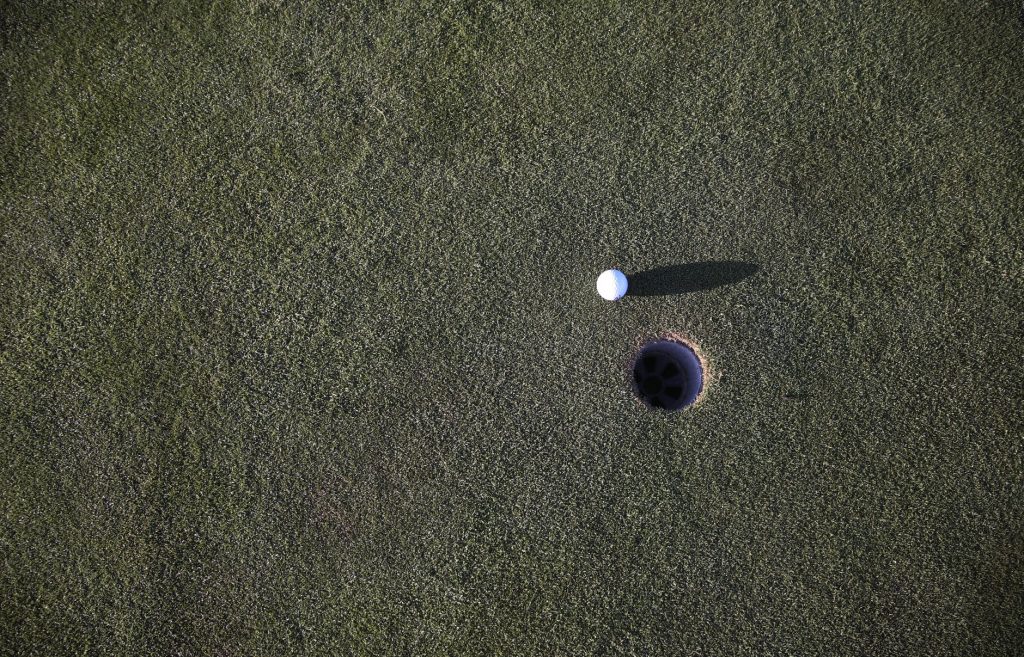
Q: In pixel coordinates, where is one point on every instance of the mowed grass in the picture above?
(300, 352)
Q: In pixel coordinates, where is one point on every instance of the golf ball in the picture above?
(612, 284)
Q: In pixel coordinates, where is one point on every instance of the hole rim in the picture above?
(669, 353)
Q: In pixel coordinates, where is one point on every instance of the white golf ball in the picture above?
(612, 284)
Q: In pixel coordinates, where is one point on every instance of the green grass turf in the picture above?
(300, 351)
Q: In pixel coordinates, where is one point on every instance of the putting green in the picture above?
(300, 351)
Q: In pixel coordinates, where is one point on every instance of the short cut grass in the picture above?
(300, 352)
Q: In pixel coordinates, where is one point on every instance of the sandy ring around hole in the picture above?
(711, 374)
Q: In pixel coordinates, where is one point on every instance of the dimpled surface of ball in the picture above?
(612, 284)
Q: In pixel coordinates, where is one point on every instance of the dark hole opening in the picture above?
(668, 375)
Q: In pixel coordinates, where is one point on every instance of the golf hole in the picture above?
(668, 375)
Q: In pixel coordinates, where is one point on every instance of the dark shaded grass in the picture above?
(300, 352)
(689, 277)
